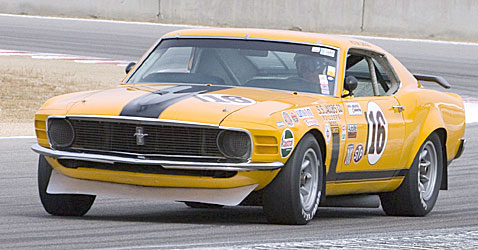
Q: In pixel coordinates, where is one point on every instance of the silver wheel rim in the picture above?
(427, 171)
(308, 184)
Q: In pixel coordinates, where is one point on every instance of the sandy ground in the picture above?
(26, 83)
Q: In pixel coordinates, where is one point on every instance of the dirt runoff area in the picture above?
(26, 83)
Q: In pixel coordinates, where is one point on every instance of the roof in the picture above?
(277, 35)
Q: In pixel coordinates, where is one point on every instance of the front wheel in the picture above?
(293, 196)
(418, 193)
(60, 204)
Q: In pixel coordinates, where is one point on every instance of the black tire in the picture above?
(408, 200)
(60, 204)
(193, 204)
(282, 202)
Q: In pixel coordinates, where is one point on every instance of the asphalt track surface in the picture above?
(138, 224)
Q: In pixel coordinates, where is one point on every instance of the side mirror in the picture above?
(129, 67)
(350, 83)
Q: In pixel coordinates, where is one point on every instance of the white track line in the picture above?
(17, 137)
(203, 26)
(63, 57)
(471, 112)
(413, 40)
(104, 21)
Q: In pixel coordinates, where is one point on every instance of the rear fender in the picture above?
(433, 124)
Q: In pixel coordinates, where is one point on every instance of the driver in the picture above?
(308, 67)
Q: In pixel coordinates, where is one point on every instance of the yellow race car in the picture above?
(285, 120)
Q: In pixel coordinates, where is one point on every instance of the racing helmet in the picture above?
(305, 63)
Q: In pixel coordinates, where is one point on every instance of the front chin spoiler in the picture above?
(61, 184)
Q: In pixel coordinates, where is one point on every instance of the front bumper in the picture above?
(164, 163)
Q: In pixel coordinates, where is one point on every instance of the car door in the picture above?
(374, 132)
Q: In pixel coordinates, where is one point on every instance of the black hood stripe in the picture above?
(151, 105)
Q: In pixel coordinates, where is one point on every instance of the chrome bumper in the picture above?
(165, 164)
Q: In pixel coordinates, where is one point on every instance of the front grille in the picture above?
(146, 169)
(159, 139)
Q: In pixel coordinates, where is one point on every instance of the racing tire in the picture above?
(293, 196)
(193, 204)
(418, 192)
(60, 204)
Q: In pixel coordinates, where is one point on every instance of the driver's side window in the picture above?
(372, 78)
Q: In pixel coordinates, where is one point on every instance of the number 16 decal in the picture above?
(377, 132)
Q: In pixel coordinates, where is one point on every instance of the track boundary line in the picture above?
(205, 26)
(17, 137)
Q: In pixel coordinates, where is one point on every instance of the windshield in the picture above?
(260, 64)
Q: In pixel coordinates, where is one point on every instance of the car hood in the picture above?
(191, 103)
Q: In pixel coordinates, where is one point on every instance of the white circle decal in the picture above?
(377, 132)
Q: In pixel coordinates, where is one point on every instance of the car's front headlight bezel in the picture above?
(225, 143)
(56, 141)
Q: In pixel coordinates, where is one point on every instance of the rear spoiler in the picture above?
(438, 79)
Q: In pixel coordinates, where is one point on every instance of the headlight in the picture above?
(60, 132)
(234, 144)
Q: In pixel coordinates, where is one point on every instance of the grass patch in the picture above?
(26, 83)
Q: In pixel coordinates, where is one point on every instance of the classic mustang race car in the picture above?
(285, 120)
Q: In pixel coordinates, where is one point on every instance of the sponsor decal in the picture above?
(316, 49)
(330, 112)
(304, 113)
(358, 153)
(348, 156)
(225, 99)
(286, 143)
(280, 124)
(354, 108)
(352, 131)
(324, 85)
(331, 79)
(287, 119)
(331, 71)
(377, 132)
(151, 105)
(344, 132)
(329, 109)
(333, 124)
(335, 130)
(327, 133)
(294, 117)
(327, 52)
(311, 122)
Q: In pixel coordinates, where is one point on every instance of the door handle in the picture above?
(398, 108)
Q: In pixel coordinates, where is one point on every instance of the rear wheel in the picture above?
(419, 191)
(60, 204)
(294, 195)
